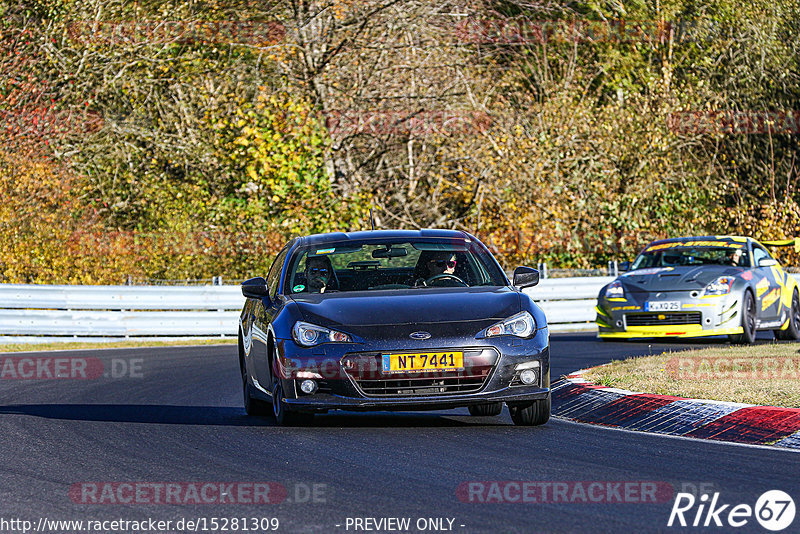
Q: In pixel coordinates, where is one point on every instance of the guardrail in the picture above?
(31, 313)
(66, 313)
(569, 303)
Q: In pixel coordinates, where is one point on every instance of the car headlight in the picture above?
(308, 335)
(615, 290)
(720, 286)
(520, 325)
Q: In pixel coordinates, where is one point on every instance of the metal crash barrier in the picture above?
(40, 312)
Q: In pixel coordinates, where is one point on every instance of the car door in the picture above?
(768, 286)
(265, 312)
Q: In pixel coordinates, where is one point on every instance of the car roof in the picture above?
(740, 239)
(333, 237)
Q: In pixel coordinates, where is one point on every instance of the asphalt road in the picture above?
(175, 416)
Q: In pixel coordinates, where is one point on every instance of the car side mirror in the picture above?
(526, 277)
(255, 288)
(767, 262)
(624, 267)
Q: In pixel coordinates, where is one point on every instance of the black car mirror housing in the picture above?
(394, 252)
(525, 277)
(255, 288)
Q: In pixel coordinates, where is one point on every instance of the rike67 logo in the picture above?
(774, 510)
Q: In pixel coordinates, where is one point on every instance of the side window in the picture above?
(758, 254)
(274, 276)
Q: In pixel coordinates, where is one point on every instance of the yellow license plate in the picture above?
(423, 361)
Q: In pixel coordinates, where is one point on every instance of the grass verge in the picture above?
(767, 374)
(44, 347)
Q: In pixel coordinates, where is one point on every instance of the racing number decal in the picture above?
(770, 298)
(762, 286)
(768, 292)
(782, 277)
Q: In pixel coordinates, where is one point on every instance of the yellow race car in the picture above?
(702, 286)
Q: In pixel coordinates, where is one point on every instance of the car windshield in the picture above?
(678, 255)
(391, 265)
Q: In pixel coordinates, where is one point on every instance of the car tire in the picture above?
(486, 410)
(793, 331)
(748, 335)
(531, 413)
(252, 406)
(283, 416)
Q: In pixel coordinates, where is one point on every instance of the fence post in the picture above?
(542, 270)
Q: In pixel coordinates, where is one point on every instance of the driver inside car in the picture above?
(318, 273)
(734, 257)
(437, 264)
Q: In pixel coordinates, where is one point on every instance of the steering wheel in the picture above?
(445, 275)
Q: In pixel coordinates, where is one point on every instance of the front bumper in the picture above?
(670, 331)
(710, 316)
(325, 402)
(342, 388)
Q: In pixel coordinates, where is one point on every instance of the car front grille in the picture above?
(665, 318)
(364, 369)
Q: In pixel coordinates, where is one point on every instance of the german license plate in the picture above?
(664, 305)
(423, 361)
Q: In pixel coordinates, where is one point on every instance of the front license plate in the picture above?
(423, 361)
(665, 305)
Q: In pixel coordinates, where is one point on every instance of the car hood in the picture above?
(676, 278)
(450, 308)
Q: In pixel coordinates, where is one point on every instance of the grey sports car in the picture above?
(701, 286)
(392, 320)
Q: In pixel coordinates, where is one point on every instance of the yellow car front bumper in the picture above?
(687, 330)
